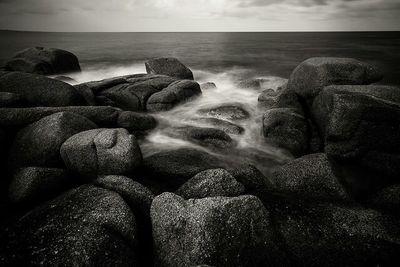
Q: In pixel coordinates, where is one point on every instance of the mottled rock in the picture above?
(39, 143)
(170, 67)
(252, 178)
(101, 151)
(229, 111)
(86, 93)
(226, 126)
(134, 121)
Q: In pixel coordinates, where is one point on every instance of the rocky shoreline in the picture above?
(77, 190)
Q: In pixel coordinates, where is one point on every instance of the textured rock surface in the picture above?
(216, 231)
(170, 67)
(101, 151)
(11, 100)
(133, 121)
(230, 111)
(211, 183)
(39, 143)
(224, 125)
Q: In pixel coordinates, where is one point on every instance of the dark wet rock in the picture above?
(311, 176)
(134, 121)
(157, 82)
(252, 178)
(226, 126)
(218, 231)
(170, 67)
(98, 86)
(208, 86)
(87, 226)
(286, 128)
(330, 235)
(229, 111)
(267, 99)
(11, 100)
(386, 199)
(285, 98)
(312, 75)
(102, 116)
(39, 143)
(360, 127)
(176, 93)
(35, 184)
(40, 90)
(211, 183)
(86, 93)
(45, 61)
(209, 137)
(168, 170)
(101, 151)
(65, 79)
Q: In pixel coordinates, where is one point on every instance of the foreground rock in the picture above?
(44, 61)
(34, 184)
(17, 117)
(286, 128)
(211, 183)
(308, 79)
(311, 176)
(40, 90)
(136, 122)
(361, 126)
(216, 231)
(170, 67)
(39, 143)
(11, 100)
(87, 226)
(229, 111)
(101, 151)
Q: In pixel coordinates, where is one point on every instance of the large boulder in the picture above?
(227, 111)
(101, 151)
(311, 176)
(286, 128)
(216, 231)
(176, 93)
(361, 126)
(312, 75)
(45, 61)
(39, 143)
(252, 178)
(136, 122)
(170, 67)
(211, 183)
(285, 98)
(40, 90)
(33, 184)
(87, 226)
(102, 116)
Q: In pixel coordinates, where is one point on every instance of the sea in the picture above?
(222, 58)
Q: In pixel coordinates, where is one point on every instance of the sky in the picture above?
(199, 15)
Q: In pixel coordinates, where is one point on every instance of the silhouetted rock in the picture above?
(33, 184)
(39, 143)
(170, 67)
(229, 111)
(101, 151)
(311, 176)
(211, 183)
(176, 93)
(226, 126)
(40, 90)
(87, 226)
(219, 231)
(313, 74)
(46, 61)
(286, 128)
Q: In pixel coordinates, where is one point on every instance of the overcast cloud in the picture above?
(200, 15)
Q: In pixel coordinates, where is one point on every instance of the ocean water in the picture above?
(223, 58)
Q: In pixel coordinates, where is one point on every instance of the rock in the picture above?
(330, 235)
(134, 121)
(86, 93)
(208, 86)
(226, 126)
(267, 99)
(311, 176)
(211, 183)
(35, 184)
(39, 143)
(168, 170)
(102, 116)
(45, 61)
(285, 98)
(312, 75)
(255, 84)
(387, 199)
(101, 151)
(176, 93)
(40, 90)
(65, 79)
(208, 137)
(286, 128)
(229, 111)
(252, 178)
(170, 67)
(360, 127)
(11, 100)
(218, 231)
(87, 226)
